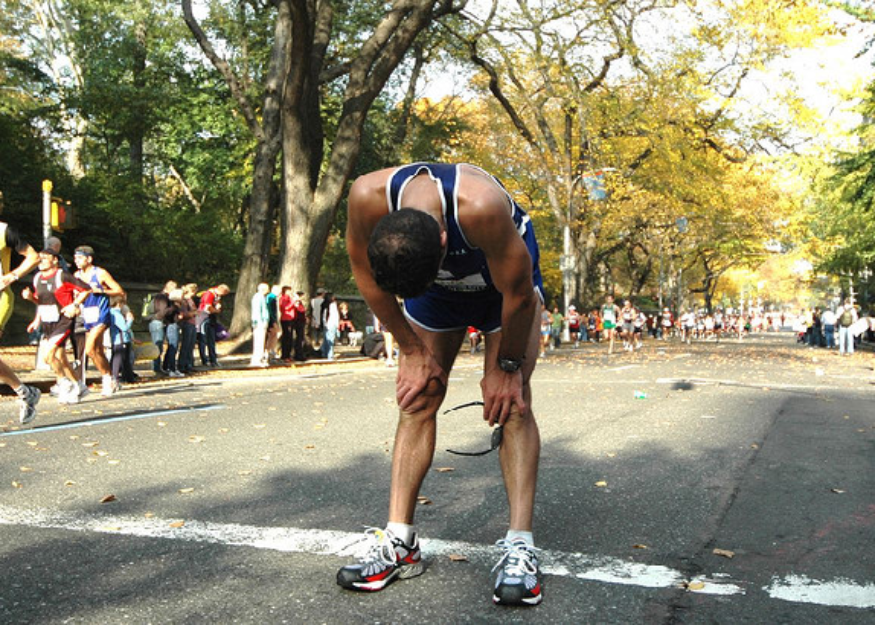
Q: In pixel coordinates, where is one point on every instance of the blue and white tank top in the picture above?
(96, 308)
(464, 268)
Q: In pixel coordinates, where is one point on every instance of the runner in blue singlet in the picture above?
(451, 241)
(95, 311)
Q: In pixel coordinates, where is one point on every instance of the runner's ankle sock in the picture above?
(513, 535)
(403, 531)
(21, 391)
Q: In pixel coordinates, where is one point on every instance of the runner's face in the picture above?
(83, 261)
(47, 261)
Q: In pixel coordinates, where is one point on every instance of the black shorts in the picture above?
(58, 331)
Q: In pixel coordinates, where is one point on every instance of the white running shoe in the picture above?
(69, 393)
(27, 404)
(108, 386)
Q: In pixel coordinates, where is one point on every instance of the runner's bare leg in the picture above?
(415, 435)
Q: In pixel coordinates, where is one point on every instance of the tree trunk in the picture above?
(310, 200)
(267, 130)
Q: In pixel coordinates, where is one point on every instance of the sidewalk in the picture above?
(22, 359)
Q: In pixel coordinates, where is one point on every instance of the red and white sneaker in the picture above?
(386, 560)
(518, 580)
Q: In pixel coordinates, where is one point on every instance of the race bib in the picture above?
(49, 313)
(91, 314)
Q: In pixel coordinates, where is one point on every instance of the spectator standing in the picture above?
(300, 325)
(121, 337)
(330, 325)
(847, 315)
(172, 333)
(211, 305)
(828, 321)
(286, 305)
(188, 328)
(159, 305)
(316, 316)
(96, 311)
(273, 322)
(260, 320)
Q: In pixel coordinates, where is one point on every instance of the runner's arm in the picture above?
(108, 284)
(30, 260)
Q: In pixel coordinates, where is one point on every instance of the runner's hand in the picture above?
(416, 371)
(501, 392)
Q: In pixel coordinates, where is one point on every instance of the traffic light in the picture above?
(63, 216)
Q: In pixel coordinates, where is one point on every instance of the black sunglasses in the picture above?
(496, 433)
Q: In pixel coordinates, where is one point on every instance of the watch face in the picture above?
(509, 365)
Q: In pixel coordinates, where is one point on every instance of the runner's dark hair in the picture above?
(405, 252)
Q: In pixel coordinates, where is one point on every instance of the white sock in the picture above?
(21, 391)
(403, 531)
(520, 535)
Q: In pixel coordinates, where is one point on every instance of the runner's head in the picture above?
(83, 256)
(405, 252)
(48, 259)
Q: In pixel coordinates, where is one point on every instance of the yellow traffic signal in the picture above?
(63, 217)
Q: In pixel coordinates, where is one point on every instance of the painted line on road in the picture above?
(773, 386)
(111, 419)
(792, 588)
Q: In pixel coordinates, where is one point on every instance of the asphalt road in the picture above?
(234, 498)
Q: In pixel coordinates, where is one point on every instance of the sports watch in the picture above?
(510, 365)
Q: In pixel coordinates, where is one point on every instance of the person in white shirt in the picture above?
(828, 319)
(847, 315)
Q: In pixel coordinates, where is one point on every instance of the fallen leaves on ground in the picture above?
(424, 501)
(725, 553)
(457, 557)
(185, 491)
(444, 469)
(601, 484)
(177, 524)
(108, 499)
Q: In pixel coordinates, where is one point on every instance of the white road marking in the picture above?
(37, 429)
(840, 592)
(797, 589)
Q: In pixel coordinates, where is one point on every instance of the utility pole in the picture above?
(47, 210)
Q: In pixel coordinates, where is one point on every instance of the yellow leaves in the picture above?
(186, 491)
(108, 499)
(177, 524)
(422, 500)
(601, 484)
(724, 553)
